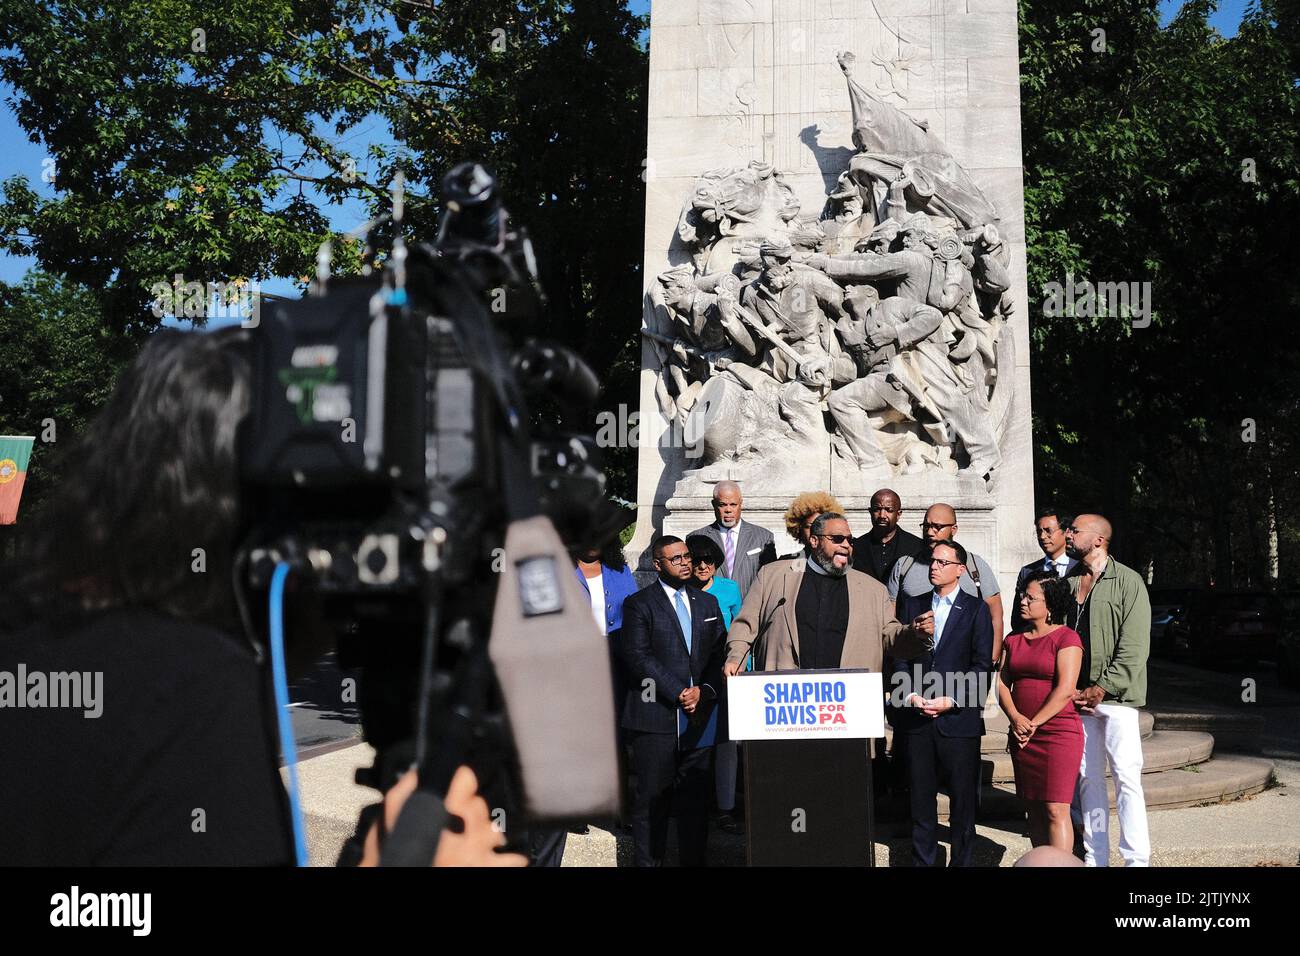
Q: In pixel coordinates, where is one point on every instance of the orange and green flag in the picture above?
(15, 452)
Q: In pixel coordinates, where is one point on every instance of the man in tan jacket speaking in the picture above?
(818, 612)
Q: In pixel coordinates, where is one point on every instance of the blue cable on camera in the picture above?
(287, 747)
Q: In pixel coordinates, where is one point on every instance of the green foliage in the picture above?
(58, 363)
(220, 162)
(215, 155)
(1136, 171)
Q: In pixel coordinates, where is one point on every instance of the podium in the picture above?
(806, 736)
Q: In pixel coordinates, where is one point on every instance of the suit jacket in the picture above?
(963, 661)
(618, 586)
(1017, 622)
(651, 647)
(873, 630)
(864, 558)
(755, 547)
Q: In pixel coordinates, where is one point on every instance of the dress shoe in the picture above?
(730, 824)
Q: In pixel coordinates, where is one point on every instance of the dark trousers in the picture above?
(669, 783)
(546, 847)
(955, 761)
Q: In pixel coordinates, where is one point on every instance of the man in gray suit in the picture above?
(745, 548)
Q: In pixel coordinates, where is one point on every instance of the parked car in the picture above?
(1288, 645)
(1228, 625)
(1167, 606)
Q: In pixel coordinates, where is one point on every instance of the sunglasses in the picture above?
(835, 538)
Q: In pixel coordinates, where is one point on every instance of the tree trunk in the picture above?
(1270, 524)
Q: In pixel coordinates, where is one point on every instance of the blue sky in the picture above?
(19, 156)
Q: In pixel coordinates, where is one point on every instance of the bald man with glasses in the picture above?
(910, 576)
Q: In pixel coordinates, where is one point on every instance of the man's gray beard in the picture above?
(828, 565)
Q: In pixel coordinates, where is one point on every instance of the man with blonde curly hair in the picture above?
(803, 511)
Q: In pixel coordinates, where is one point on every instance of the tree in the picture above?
(58, 363)
(207, 139)
(1169, 158)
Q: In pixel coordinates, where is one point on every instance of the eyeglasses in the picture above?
(942, 563)
(676, 559)
(1030, 600)
(927, 525)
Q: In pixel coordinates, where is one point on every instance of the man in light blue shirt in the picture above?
(941, 605)
(941, 694)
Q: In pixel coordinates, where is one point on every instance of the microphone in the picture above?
(762, 633)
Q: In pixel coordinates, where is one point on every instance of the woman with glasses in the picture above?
(1040, 668)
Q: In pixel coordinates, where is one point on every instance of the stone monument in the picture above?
(835, 265)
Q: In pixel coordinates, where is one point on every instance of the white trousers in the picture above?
(1112, 735)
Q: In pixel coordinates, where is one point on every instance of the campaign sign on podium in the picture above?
(807, 764)
(806, 705)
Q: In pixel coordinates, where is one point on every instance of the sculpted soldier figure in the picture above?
(705, 325)
(912, 269)
(889, 325)
(879, 319)
(909, 375)
(797, 310)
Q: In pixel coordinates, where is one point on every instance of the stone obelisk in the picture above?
(865, 132)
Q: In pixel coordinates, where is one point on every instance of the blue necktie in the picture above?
(683, 617)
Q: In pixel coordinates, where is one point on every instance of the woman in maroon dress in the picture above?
(1036, 687)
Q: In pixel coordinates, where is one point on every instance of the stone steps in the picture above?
(996, 722)
(1217, 780)
(1162, 750)
(1179, 766)
(1232, 730)
(994, 740)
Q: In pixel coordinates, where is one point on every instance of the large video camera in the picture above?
(412, 469)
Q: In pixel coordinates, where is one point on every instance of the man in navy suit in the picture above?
(942, 697)
(672, 647)
(1050, 531)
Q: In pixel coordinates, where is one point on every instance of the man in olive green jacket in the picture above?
(1113, 616)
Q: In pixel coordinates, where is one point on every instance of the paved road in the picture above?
(322, 718)
(1244, 688)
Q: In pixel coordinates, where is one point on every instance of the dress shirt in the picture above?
(596, 593)
(723, 532)
(941, 605)
(672, 598)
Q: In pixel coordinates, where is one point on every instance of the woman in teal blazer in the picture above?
(706, 557)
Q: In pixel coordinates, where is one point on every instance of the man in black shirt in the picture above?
(875, 552)
(822, 610)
